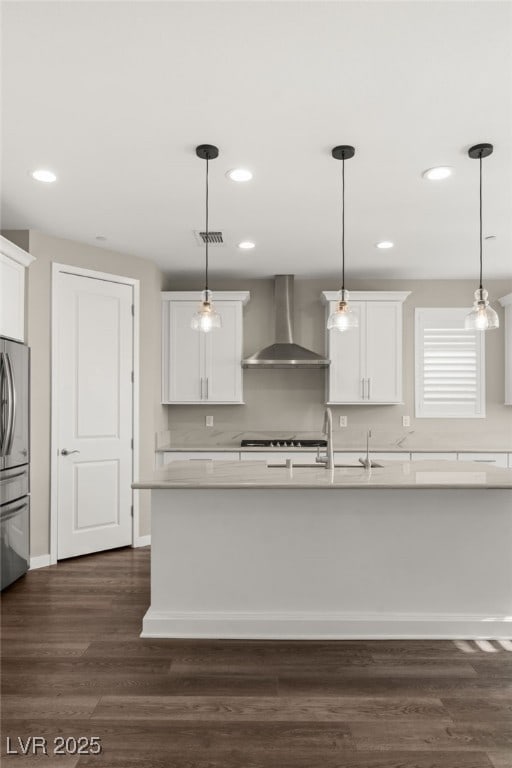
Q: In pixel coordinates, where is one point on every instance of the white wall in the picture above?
(48, 249)
(293, 400)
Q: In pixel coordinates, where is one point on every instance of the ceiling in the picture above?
(114, 97)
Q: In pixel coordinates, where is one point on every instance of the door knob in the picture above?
(64, 452)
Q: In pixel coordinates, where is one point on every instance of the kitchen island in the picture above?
(407, 550)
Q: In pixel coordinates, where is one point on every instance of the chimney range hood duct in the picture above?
(284, 353)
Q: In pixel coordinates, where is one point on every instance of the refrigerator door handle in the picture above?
(12, 404)
(4, 412)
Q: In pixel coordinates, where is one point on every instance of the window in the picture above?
(450, 379)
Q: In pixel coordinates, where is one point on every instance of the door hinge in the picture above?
(133, 377)
(131, 510)
(133, 310)
(131, 443)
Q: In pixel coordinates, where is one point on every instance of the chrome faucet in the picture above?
(328, 458)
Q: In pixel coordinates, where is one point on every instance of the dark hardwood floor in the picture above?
(73, 665)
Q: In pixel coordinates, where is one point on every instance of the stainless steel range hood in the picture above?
(284, 353)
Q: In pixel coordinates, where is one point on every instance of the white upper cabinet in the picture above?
(346, 377)
(506, 301)
(202, 368)
(183, 354)
(13, 261)
(366, 362)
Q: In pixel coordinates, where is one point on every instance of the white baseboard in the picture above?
(43, 561)
(326, 626)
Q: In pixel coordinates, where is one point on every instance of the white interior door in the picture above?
(94, 359)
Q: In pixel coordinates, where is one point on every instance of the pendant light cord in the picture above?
(480, 220)
(207, 234)
(342, 226)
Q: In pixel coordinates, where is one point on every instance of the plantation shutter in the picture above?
(450, 380)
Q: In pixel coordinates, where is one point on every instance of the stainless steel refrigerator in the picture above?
(14, 460)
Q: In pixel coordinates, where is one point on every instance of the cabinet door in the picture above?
(183, 355)
(169, 456)
(347, 372)
(12, 298)
(383, 336)
(280, 457)
(391, 456)
(223, 352)
(431, 456)
(496, 459)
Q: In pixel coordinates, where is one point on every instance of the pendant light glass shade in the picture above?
(482, 317)
(206, 318)
(342, 319)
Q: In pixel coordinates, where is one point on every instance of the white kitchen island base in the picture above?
(330, 563)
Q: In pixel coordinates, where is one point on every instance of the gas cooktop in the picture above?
(285, 442)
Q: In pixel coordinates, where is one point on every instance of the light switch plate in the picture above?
(406, 421)
(343, 421)
(209, 421)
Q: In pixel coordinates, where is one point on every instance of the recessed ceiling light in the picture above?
(246, 245)
(44, 175)
(437, 174)
(384, 244)
(239, 174)
(100, 237)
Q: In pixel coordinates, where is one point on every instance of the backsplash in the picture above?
(291, 402)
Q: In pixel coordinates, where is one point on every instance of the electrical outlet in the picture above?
(209, 421)
(406, 421)
(343, 421)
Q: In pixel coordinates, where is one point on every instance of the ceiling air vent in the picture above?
(214, 238)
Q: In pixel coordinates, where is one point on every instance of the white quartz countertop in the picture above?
(230, 447)
(395, 474)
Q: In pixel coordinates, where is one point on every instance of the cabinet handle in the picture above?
(207, 388)
(201, 385)
(369, 382)
(362, 389)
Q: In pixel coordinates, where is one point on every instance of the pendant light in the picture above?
(206, 318)
(482, 317)
(343, 318)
